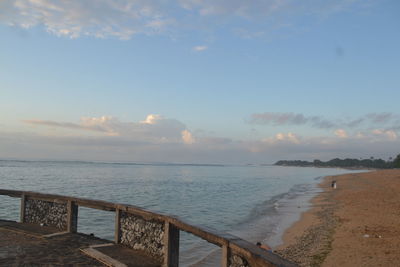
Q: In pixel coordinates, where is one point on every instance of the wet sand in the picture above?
(357, 224)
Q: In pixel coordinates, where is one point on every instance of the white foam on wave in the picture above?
(268, 221)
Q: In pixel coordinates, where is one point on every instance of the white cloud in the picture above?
(200, 48)
(287, 137)
(290, 118)
(125, 18)
(375, 135)
(382, 119)
(377, 132)
(386, 134)
(155, 128)
(86, 124)
(187, 137)
(152, 119)
(341, 133)
(392, 135)
(106, 124)
(235, 7)
(145, 142)
(283, 138)
(277, 118)
(74, 18)
(360, 135)
(293, 138)
(157, 138)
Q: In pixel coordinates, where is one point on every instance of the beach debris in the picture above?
(366, 235)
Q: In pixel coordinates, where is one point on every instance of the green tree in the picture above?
(396, 162)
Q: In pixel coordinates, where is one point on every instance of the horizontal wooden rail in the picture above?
(229, 243)
(11, 193)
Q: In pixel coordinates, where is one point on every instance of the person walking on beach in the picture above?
(333, 185)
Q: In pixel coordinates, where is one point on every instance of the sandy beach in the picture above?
(357, 224)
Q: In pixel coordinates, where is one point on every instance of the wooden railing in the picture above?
(231, 245)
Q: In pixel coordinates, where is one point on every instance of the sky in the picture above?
(191, 81)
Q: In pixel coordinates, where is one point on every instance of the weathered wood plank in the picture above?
(22, 209)
(55, 234)
(205, 233)
(117, 231)
(145, 214)
(103, 258)
(72, 217)
(102, 245)
(11, 193)
(171, 245)
(225, 256)
(95, 204)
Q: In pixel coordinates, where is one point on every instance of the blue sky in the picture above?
(199, 81)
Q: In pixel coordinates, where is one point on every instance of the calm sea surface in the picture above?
(256, 203)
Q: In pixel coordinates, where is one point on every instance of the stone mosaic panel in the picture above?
(46, 213)
(238, 261)
(142, 234)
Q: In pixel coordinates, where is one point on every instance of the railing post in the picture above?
(171, 245)
(117, 232)
(22, 208)
(72, 217)
(225, 256)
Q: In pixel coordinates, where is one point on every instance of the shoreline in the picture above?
(349, 225)
(307, 241)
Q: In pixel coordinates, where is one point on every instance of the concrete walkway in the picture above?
(24, 244)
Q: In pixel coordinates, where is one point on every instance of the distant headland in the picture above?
(345, 163)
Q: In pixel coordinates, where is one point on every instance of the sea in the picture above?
(255, 203)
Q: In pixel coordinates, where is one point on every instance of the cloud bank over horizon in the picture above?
(383, 119)
(160, 139)
(124, 19)
(154, 129)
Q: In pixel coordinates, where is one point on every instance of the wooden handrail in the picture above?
(11, 193)
(255, 256)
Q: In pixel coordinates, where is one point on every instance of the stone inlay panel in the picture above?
(46, 212)
(141, 234)
(238, 261)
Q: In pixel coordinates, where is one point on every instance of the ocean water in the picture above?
(256, 203)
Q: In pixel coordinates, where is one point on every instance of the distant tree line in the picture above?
(345, 163)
